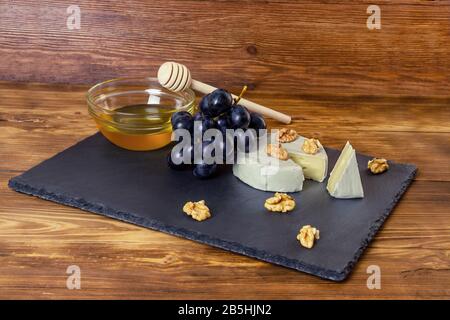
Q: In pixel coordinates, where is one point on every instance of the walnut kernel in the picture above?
(286, 135)
(311, 146)
(377, 165)
(277, 151)
(197, 210)
(280, 202)
(307, 235)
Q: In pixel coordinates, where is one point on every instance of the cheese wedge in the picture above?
(315, 166)
(345, 181)
(266, 173)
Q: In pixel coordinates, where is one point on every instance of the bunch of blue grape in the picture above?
(218, 110)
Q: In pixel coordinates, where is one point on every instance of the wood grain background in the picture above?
(292, 48)
(40, 239)
(387, 91)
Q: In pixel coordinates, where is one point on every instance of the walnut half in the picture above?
(286, 135)
(307, 235)
(280, 202)
(197, 210)
(311, 146)
(277, 151)
(377, 165)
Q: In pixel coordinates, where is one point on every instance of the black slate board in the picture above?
(137, 187)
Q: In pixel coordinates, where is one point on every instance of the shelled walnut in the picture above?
(197, 210)
(378, 165)
(311, 146)
(286, 135)
(307, 236)
(280, 202)
(277, 151)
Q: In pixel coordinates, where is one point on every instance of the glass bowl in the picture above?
(134, 113)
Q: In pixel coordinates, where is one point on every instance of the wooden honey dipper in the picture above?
(176, 77)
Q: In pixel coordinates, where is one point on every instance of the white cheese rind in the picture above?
(315, 166)
(266, 173)
(345, 181)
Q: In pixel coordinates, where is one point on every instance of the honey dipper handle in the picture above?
(254, 107)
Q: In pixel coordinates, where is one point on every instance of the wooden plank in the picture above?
(289, 47)
(400, 130)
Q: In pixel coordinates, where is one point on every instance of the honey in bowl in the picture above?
(128, 137)
(135, 113)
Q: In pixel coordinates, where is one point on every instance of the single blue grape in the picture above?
(177, 115)
(204, 104)
(239, 117)
(183, 122)
(257, 122)
(217, 102)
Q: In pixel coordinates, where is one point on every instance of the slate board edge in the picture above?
(22, 187)
(378, 223)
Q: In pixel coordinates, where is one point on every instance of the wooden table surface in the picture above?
(40, 239)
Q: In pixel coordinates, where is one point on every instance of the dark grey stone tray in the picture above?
(139, 188)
